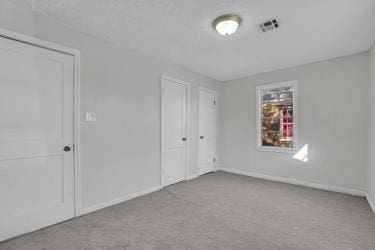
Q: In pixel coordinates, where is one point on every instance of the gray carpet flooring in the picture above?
(218, 211)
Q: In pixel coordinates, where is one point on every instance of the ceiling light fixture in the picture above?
(227, 24)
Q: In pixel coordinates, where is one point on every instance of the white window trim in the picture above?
(259, 88)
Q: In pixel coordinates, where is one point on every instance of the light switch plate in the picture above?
(90, 117)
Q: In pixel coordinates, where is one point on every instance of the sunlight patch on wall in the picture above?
(302, 154)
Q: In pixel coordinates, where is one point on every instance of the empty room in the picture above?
(175, 124)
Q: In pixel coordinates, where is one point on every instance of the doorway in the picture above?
(207, 130)
(37, 134)
(174, 130)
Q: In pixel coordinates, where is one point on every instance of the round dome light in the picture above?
(227, 24)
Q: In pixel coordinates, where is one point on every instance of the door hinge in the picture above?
(214, 102)
(214, 159)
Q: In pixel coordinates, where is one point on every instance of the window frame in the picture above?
(259, 89)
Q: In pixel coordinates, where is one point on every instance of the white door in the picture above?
(207, 131)
(174, 118)
(36, 123)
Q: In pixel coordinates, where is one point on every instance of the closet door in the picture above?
(207, 130)
(174, 123)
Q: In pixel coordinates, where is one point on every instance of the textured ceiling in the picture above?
(180, 31)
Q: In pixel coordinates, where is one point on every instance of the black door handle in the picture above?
(184, 139)
(201, 137)
(67, 148)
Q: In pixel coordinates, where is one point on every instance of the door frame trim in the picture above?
(162, 143)
(215, 134)
(76, 102)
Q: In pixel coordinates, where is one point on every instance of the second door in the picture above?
(174, 132)
(207, 130)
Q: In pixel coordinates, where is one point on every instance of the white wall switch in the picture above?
(90, 117)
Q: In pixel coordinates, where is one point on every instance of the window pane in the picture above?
(276, 116)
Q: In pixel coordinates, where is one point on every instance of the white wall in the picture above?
(332, 111)
(371, 130)
(121, 151)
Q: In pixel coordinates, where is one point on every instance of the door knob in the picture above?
(67, 148)
(184, 139)
(201, 137)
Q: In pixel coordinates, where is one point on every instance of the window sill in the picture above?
(276, 149)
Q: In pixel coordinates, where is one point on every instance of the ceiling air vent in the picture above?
(268, 25)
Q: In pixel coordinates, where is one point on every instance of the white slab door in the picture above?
(36, 125)
(174, 131)
(206, 130)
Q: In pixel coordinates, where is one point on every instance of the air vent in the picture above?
(268, 25)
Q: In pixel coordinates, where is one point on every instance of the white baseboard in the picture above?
(209, 171)
(370, 202)
(192, 177)
(234, 171)
(200, 173)
(118, 200)
(297, 182)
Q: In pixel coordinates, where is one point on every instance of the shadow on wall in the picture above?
(302, 154)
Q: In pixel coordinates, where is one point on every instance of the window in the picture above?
(276, 116)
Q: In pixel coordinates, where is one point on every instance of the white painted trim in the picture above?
(77, 83)
(294, 84)
(37, 42)
(118, 200)
(370, 202)
(162, 143)
(208, 90)
(165, 77)
(77, 135)
(297, 182)
(209, 171)
(191, 177)
(198, 134)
